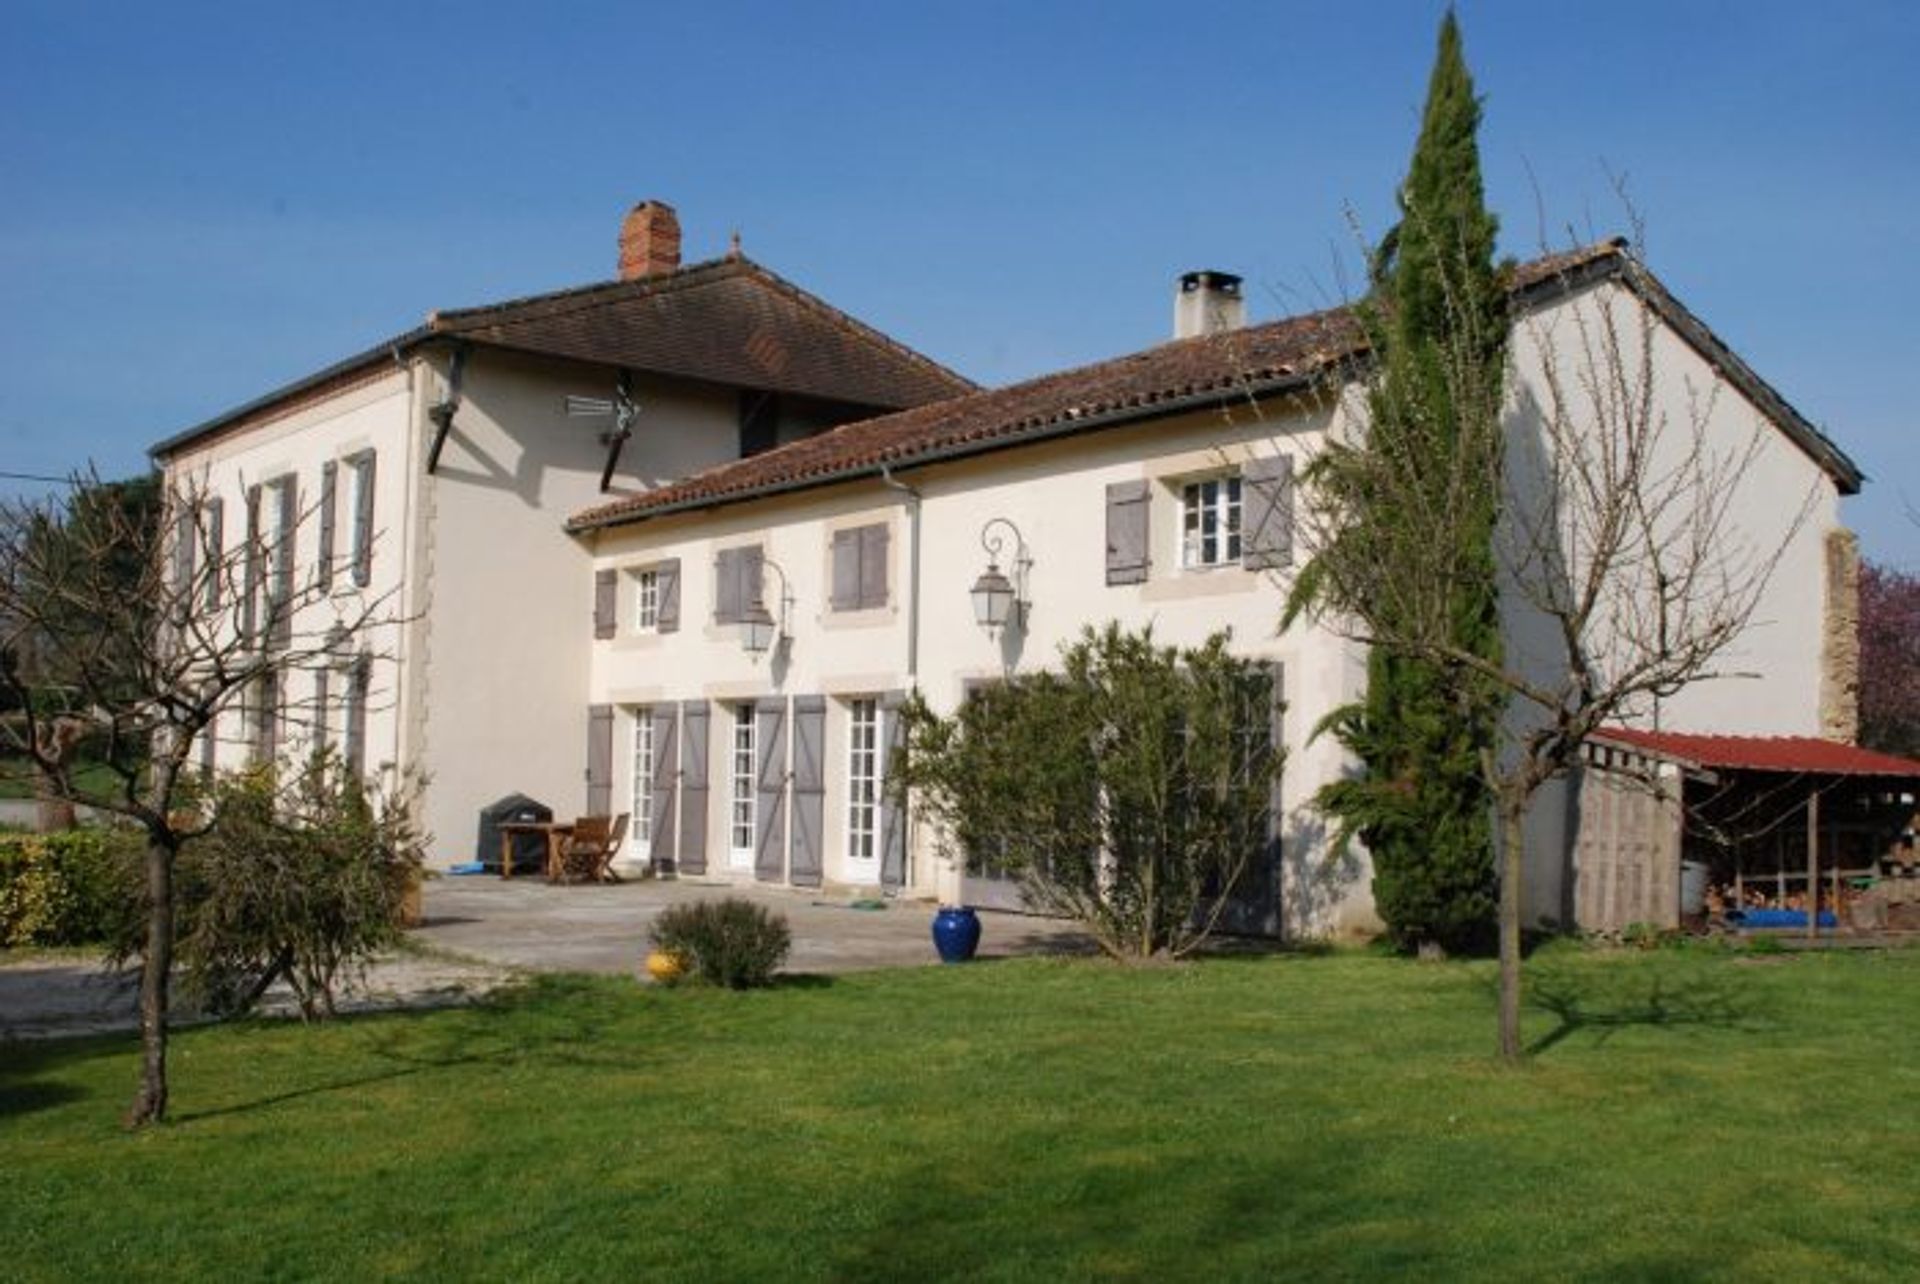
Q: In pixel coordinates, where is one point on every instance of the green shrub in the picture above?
(1132, 790)
(78, 887)
(731, 941)
(301, 883)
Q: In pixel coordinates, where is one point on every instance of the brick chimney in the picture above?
(649, 241)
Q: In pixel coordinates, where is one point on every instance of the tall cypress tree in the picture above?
(1437, 319)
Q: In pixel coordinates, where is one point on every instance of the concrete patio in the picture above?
(527, 923)
(479, 931)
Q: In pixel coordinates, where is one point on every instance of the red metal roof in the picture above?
(1804, 754)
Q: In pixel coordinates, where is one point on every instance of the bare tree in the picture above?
(153, 628)
(1625, 569)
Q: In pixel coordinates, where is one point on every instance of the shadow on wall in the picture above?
(1320, 882)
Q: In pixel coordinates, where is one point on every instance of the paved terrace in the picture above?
(480, 931)
(526, 923)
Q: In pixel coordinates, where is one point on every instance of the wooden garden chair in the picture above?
(586, 855)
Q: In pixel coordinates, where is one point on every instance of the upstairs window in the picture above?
(1210, 522)
(646, 601)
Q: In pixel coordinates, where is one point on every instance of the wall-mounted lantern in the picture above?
(997, 600)
(760, 631)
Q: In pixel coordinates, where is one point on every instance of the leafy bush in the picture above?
(731, 941)
(71, 888)
(1130, 791)
(303, 884)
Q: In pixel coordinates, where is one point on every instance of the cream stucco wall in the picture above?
(372, 415)
(1777, 508)
(480, 687)
(1055, 493)
(1783, 507)
(502, 635)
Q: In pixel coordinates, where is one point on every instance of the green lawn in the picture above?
(1688, 1116)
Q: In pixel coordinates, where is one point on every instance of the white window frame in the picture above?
(865, 772)
(1210, 522)
(646, 600)
(742, 800)
(640, 778)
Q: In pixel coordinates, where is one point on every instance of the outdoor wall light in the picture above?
(759, 630)
(997, 600)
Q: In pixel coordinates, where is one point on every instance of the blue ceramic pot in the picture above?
(956, 933)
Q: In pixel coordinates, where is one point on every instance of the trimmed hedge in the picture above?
(71, 888)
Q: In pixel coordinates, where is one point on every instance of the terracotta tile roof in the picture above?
(1187, 373)
(727, 321)
(1801, 754)
(1158, 380)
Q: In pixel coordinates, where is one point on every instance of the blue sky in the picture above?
(203, 201)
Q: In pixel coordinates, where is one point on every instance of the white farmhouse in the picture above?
(1151, 489)
(435, 471)
(679, 544)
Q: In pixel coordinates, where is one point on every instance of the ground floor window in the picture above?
(740, 795)
(863, 783)
(641, 829)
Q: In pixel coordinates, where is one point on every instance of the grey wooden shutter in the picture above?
(329, 489)
(599, 760)
(363, 519)
(185, 536)
(666, 579)
(605, 593)
(1268, 885)
(873, 565)
(752, 575)
(210, 745)
(693, 786)
(269, 729)
(250, 608)
(322, 680)
(1127, 558)
(846, 570)
(359, 681)
(727, 602)
(666, 767)
(216, 551)
(809, 789)
(893, 816)
(288, 497)
(1266, 513)
(770, 820)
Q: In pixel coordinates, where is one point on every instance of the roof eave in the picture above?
(1630, 272)
(1257, 390)
(389, 350)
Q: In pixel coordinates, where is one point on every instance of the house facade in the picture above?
(679, 545)
(428, 479)
(1154, 490)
